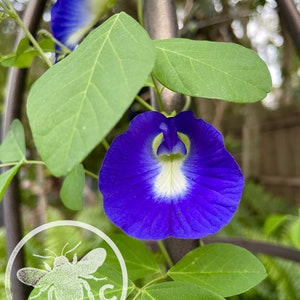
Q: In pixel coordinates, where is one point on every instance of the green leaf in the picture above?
(178, 291)
(22, 46)
(8, 60)
(22, 58)
(71, 192)
(6, 178)
(273, 223)
(140, 262)
(149, 82)
(25, 53)
(113, 280)
(295, 233)
(13, 147)
(211, 69)
(222, 268)
(77, 102)
(47, 44)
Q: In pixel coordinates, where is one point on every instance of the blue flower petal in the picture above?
(183, 194)
(72, 19)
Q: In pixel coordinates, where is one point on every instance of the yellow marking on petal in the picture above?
(156, 142)
(170, 182)
(185, 139)
(158, 139)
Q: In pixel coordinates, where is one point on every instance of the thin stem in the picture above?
(5, 7)
(165, 254)
(93, 175)
(13, 14)
(140, 12)
(25, 162)
(158, 279)
(34, 162)
(158, 93)
(137, 294)
(9, 164)
(48, 34)
(144, 103)
(105, 144)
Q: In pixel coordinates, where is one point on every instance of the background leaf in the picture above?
(295, 233)
(113, 278)
(71, 192)
(13, 147)
(178, 291)
(273, 222)
(25, 53)
(140, 262)
(76, 102)
(222, 268)
(6, 178)
(211, 69)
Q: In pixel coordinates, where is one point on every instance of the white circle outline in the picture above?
(43, 227)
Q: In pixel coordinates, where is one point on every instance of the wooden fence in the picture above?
(280, 153)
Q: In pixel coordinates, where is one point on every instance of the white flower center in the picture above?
(170, 182)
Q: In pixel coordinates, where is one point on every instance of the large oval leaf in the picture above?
(140, 262)
(178, 291)
(110, 287)
(222, 268)
(211, 69)
(77, 101)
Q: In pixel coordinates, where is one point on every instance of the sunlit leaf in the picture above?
(23, 56)
(140, 262)
(8, 60)
(222, 268)
(273, 223)
(25, 53)
(211, 69)
(13, 147)
(112, 286)
(295, 233)
(76, 103)
(71, 192)
(178, 291)
(6, 178)
(108, 285)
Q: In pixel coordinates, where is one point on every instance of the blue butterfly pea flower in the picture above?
(170, 177)
(71, 20)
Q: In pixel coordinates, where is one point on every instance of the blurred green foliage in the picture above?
(253, 220)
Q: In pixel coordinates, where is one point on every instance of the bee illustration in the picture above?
(66, 280)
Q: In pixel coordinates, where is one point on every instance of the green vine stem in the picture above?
(39, 162)
(158, 93)
(91, 174)
(13, 14)
(144, 103)
(22, 162)
(140, 12)
(156, 280)
(165, 253)
(105, 144)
